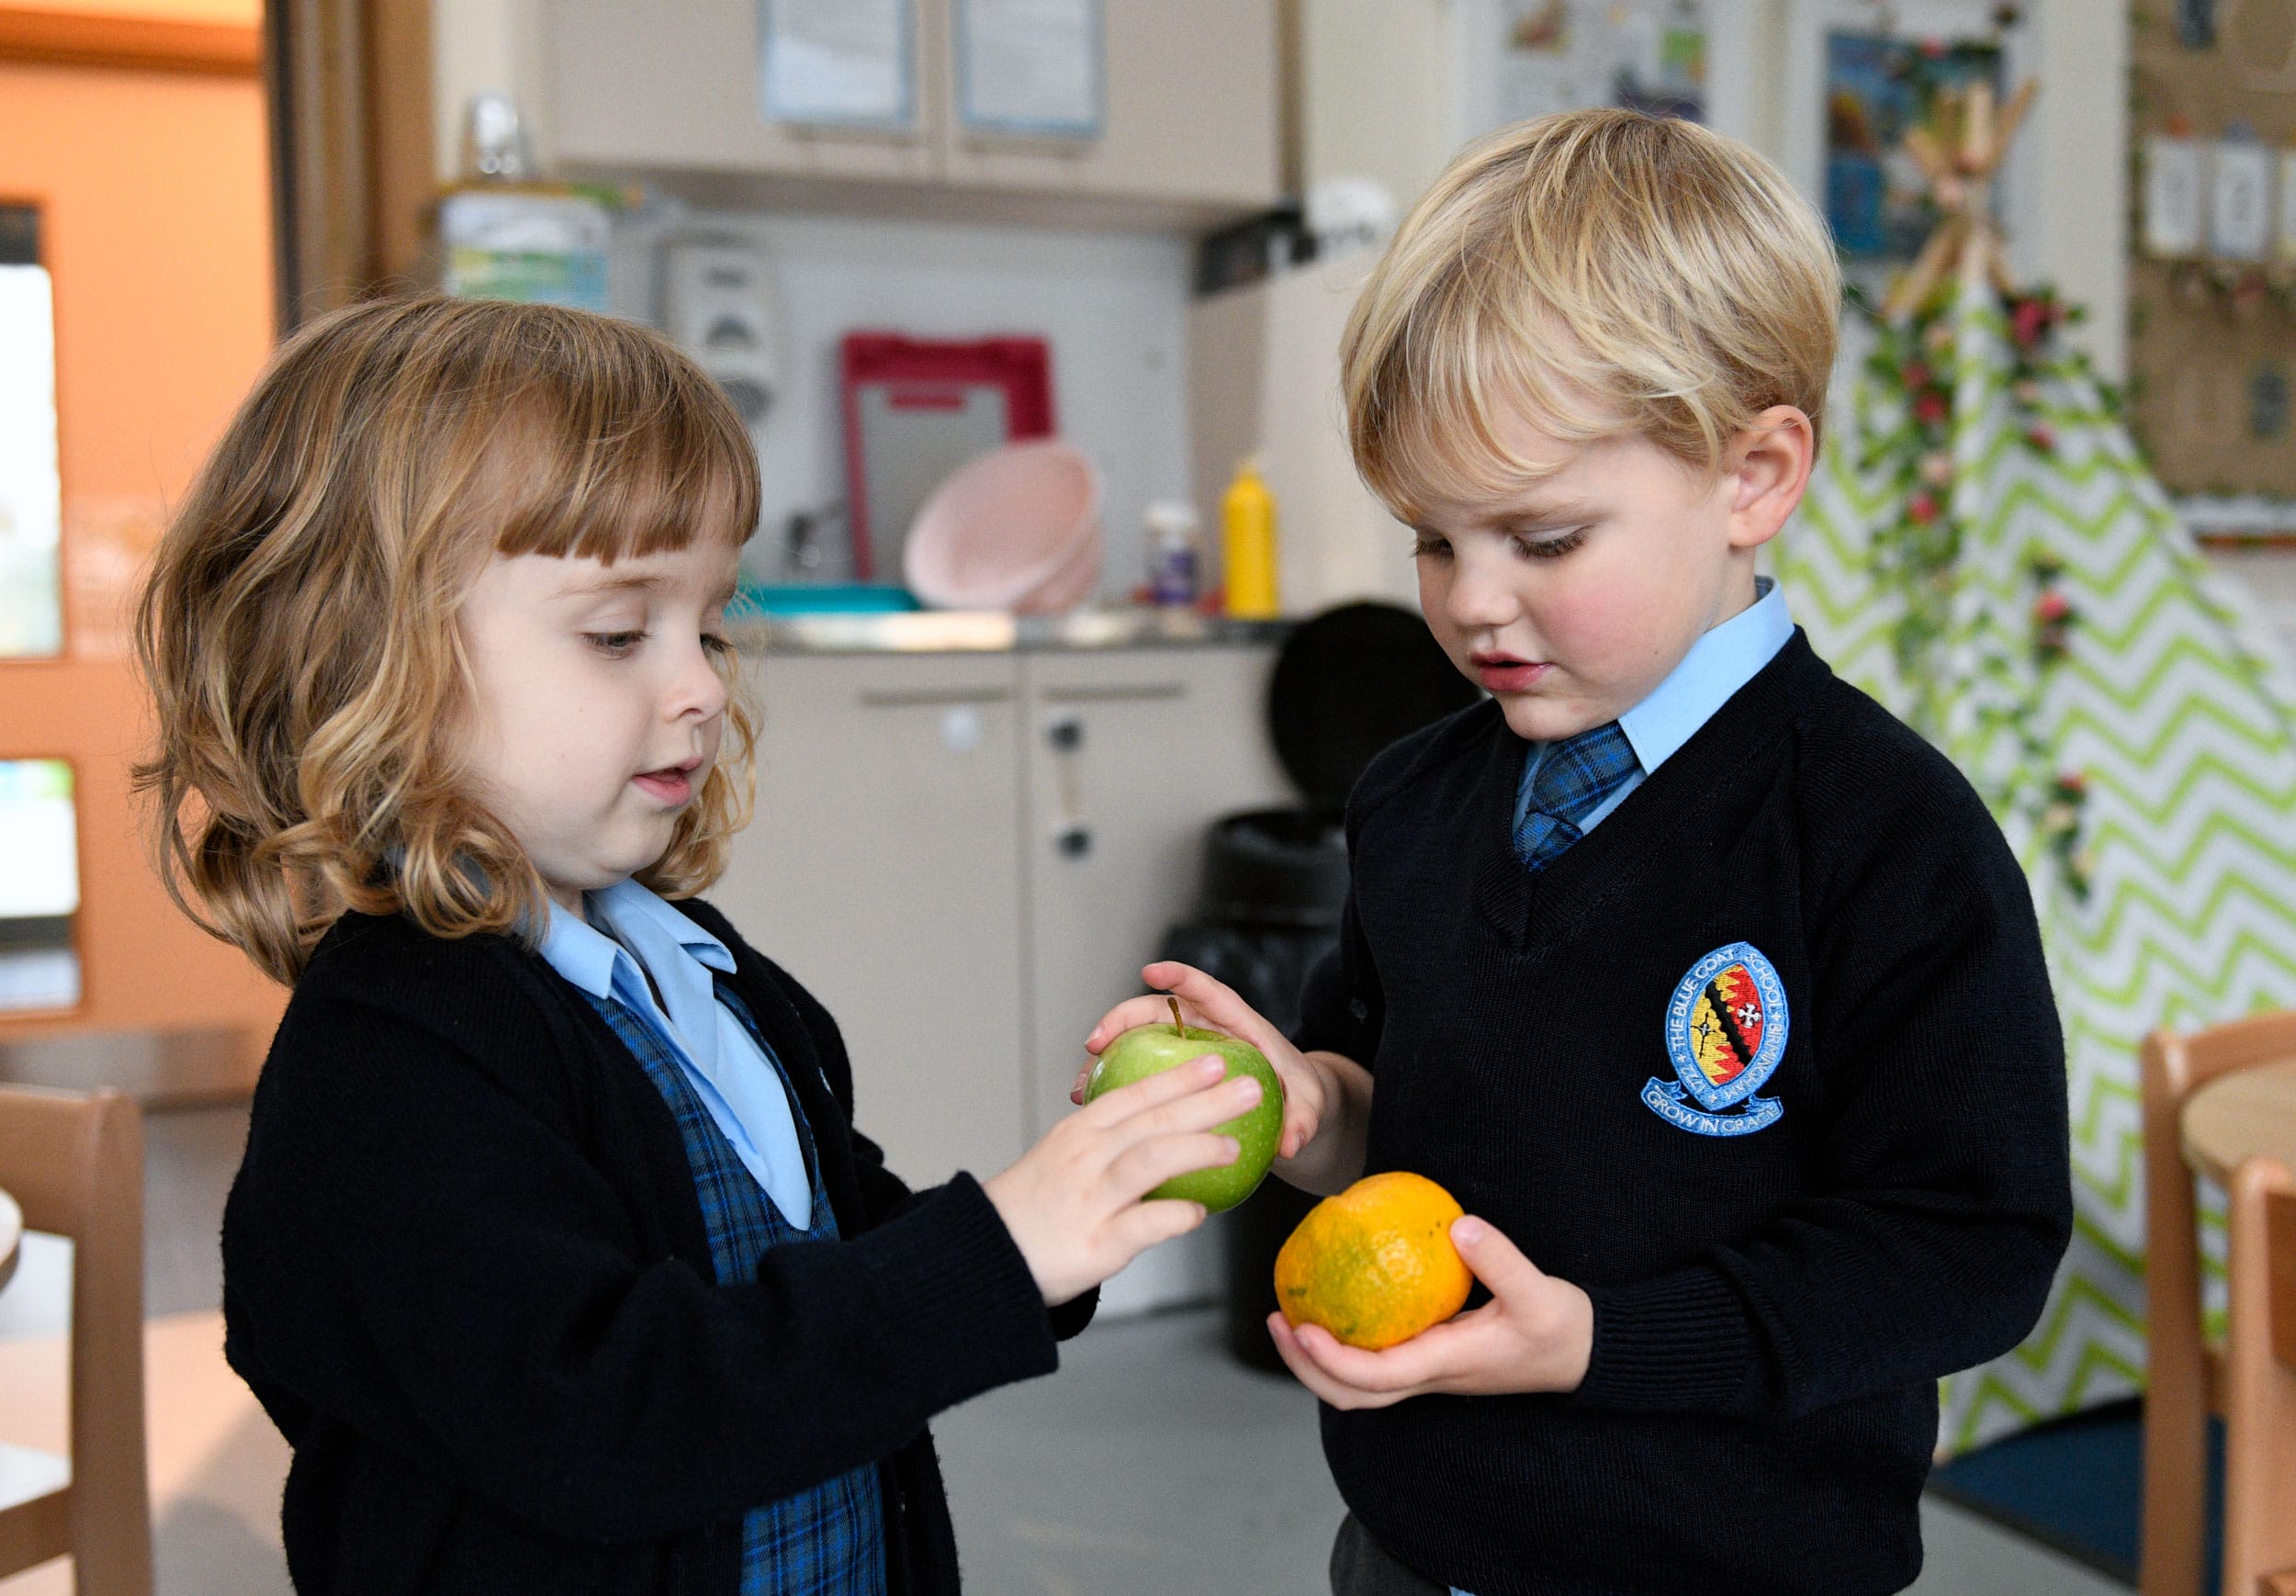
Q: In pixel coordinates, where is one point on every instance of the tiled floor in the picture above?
(1150, 1463)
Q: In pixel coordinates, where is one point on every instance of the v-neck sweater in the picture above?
(466, 1272)
(1772, 1308)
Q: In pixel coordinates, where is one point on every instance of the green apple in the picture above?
(1150, 1050)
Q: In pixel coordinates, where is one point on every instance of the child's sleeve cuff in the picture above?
(1682, 1342)
(958, 1301)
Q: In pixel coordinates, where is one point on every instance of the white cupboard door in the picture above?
(1190, 103)
(678, 86)
(1131, 755)
(880, 870)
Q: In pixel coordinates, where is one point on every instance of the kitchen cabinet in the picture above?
(1129, 755)
(678, 87)
(1190, 134)
(879, 870)
(969, 857)
(1190, 97)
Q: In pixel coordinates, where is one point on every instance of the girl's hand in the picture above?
(1072, 1201)
(1307, 1093)
(1534, 1335)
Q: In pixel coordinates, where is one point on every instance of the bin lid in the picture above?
(1348, 682)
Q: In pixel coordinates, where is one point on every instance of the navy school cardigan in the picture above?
(466, 1273)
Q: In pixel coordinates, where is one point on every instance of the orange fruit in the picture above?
(1375, 1265)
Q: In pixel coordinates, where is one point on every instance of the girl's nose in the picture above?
(699, 690)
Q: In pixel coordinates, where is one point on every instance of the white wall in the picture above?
(1378, 94)
(481, 47)
(1112, 306)
(1370, 72)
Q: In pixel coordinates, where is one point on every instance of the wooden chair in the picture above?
(75, 1165)
(2187, 1377)
(2260, 1381)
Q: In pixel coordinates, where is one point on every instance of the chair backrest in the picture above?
(2259, 1389)
(75, 1165)
(2280, 1230)
(2179, 1375)
(2189, 1062)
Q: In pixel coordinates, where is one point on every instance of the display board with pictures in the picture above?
(1532, 58)
(1879, 87)
(1858, 76)
(2212, 288)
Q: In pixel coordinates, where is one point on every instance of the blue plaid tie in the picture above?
(1574, 778)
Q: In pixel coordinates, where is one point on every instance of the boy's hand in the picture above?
(1306, 1091)
(1072, 1201)
(1534, 1335)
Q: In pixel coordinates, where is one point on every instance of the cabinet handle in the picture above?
(1074, 841)
(1115, 692)
(931, 697)
(1066, 736)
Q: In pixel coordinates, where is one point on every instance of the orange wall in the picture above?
(156, 223)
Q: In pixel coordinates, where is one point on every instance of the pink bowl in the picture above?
(1015, 528)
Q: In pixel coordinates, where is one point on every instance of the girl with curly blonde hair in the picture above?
(555, 1254)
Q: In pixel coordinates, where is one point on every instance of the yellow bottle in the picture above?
(1247, 527)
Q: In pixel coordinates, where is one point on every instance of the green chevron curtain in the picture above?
(1984, 550)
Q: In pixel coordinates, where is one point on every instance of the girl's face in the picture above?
(598, 704)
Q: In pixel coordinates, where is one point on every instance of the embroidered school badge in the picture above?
(1725, 1030)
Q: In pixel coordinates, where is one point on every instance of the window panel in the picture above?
(31, 603)
(39, 885)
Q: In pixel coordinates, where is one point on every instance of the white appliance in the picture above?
(1264, 378)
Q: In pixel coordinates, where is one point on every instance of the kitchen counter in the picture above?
(997, 632)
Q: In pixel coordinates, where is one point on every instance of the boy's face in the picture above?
(1570, 599)
(598, 706)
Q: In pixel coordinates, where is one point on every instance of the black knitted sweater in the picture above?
(1778, 1281)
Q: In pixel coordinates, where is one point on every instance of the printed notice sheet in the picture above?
(1029, 66)
(837, 61)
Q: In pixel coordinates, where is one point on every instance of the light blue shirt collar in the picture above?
(725, 1065)
(645, 936)
(1724, 659)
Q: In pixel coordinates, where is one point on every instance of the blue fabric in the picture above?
(1575, 775)
(640, 935)
(827, 1540)
(1724, 659)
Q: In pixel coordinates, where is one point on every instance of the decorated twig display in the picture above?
(1984, 550)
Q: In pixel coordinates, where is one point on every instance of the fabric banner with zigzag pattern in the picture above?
(2170, 703)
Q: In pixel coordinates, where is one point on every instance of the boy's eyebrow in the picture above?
(1535, 512)
(1548, 510)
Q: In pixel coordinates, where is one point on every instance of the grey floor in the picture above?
(1150, 1463)
(1154, 1463)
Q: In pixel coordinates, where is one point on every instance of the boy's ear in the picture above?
(1767, 471)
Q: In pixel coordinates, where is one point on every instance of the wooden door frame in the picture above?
(353, 170)
(129, 43)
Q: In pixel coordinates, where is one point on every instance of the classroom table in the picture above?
(2239, 1116)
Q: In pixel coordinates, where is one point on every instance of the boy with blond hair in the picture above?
(1711, 991)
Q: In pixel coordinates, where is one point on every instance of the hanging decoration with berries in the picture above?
(1984, 550)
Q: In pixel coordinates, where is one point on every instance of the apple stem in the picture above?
(1177, 1025)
